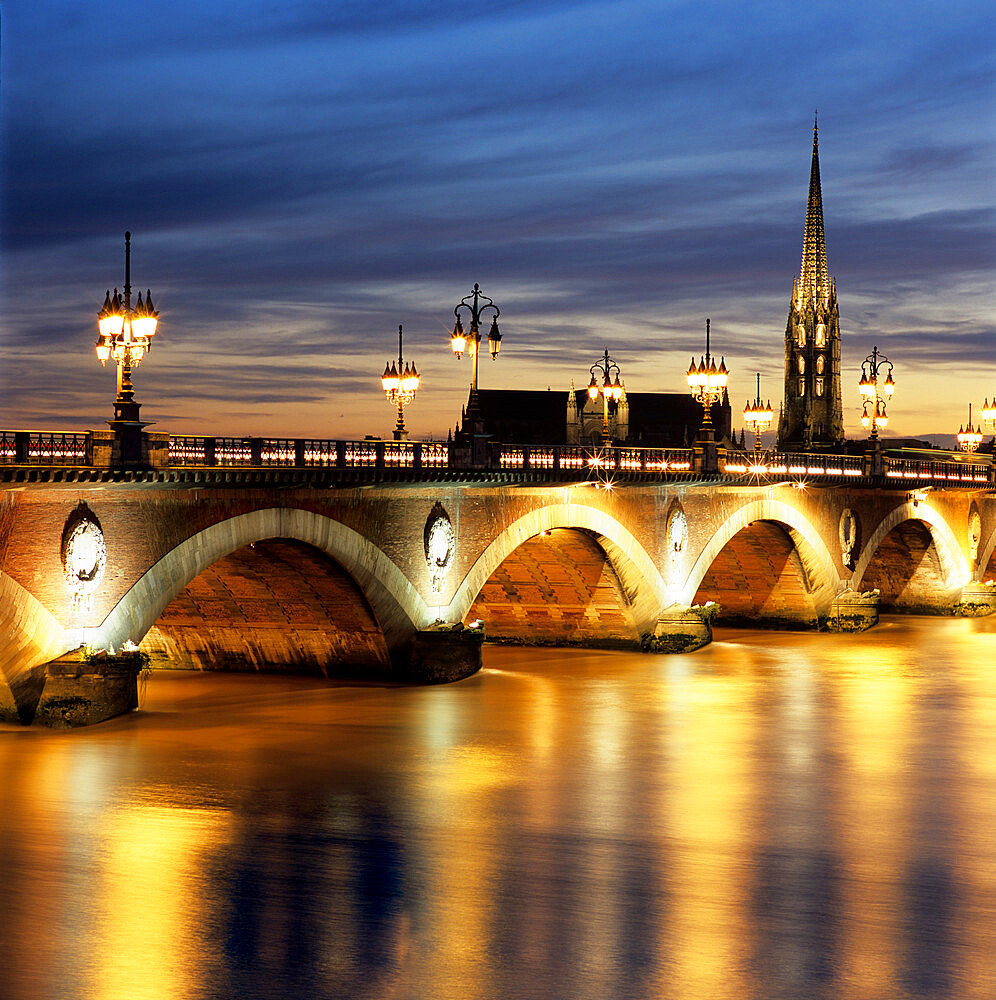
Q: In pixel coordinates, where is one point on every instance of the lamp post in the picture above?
(969, 438)
(400, 385)
(609, 389)
(758, 416)
(875, 391)
(476, 304)
(125, 334)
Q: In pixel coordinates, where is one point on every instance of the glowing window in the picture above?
(802, 387)
(821, 335)
(802, 365)
(800, 335)
(820, 362)
(819, 387)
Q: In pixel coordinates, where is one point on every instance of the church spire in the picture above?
(814, 247)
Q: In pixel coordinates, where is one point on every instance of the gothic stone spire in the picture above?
(814, 248)
(812, 414)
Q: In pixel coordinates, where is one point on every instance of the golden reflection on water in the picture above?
(707, 818)
(875, 725)
(147, 880)
(775, 816)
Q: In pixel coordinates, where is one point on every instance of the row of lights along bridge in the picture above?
(125, 334)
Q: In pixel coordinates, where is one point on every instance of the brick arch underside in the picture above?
(278, 605)
(907, 571)
(396, 604)
(557, 588)
(758, 579)
(29, 635)
(987, 561)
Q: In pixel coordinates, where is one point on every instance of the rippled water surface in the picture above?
(777, 815)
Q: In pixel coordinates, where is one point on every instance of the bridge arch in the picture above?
(819, 568)
(638, 575)
(29, 635)
(396, 604)
(954, 566)
(985, 554)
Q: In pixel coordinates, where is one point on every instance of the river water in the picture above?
(777, 815)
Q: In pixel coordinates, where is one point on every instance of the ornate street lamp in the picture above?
(609, 389)
(969, 438)
(706, 383)
(476, 304)
(758, 417)
(400, 385)
(876, 391)
(125, 334)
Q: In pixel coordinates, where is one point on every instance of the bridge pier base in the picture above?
(682, 629)
(852, 612)
(977, 601)
(443, 653)
(80, 693)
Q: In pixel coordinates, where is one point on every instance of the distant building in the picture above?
(639, 419)
(812, 415)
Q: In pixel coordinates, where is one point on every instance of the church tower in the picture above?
(812, 415)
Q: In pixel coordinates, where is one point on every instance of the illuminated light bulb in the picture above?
(494, 340)
(458, 340)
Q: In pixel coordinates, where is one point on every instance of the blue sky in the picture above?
(301, 178)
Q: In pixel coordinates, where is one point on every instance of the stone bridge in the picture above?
(361, 568)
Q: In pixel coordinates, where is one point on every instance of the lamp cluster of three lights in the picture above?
(758, 415)
(608, 388)
(400, 385)
(459, 339)
(475, 303)
(706, 381)
(876, 391)
(125, 334)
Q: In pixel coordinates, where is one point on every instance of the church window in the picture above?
(800, 335)
(802, 365)
(802, 387)
(821, 335)
(820, 362)
(819, 387)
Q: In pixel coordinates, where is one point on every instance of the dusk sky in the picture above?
(300, 178)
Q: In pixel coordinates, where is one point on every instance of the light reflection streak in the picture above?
(874, 720)
(709, 813)
(152, 911)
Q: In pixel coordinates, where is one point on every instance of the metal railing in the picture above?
(918, 470)
(93, 449)
(46, 448)
(794, 463)
(186, 451)
(578, 458)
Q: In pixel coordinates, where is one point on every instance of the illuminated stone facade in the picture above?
(812, 415)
